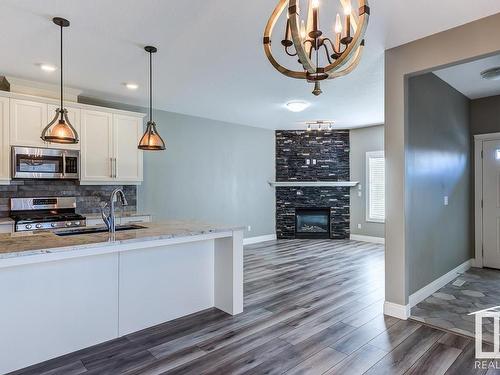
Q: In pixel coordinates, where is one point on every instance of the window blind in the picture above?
(376, 186)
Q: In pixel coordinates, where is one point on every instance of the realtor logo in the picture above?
(488, 315)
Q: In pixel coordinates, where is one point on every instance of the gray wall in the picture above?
(439, 237)
(423, 55)
(362, 141)
(211, 171)
(485, 115)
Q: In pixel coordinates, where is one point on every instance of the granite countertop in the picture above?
(45, 242)
(6, 221)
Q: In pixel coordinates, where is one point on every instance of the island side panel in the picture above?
(53, 308)
(158, 284)
(229, 273)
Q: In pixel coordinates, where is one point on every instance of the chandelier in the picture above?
(319, 56)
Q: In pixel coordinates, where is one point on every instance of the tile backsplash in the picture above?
(87, 197)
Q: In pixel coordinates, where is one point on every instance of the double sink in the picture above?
(78, 231)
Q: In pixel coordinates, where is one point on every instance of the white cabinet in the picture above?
(27, 120)
(127, 131)
(97, 164)
(74, 117)
(108, 138)
(109, 148)
(4, 142)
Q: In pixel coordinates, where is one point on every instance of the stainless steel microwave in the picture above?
(45, 163)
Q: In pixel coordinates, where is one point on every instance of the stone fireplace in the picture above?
(304, 211)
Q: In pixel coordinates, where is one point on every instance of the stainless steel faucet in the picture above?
(109, 218)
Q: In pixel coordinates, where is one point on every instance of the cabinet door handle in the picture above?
(111, 166)
(115, 168)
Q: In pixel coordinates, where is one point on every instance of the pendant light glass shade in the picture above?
(60, 130)
(151, 140)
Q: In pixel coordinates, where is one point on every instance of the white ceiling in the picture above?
(210, 61)
(467, 79)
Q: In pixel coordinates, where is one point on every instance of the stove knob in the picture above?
(68, 224)
(38, 226)
(28, 226)
(53, 225)
(77, 223)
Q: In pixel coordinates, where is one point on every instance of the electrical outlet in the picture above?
(359, 226)
(446, 200)
(308, 161)
(249, 228)
(359, 194)
(314, 161)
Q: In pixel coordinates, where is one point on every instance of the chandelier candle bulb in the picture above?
(303, 32)
(347, 12)
(338, 33)
(315, 6)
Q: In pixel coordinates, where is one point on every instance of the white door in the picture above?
(74, 118)
(96, 147)
(27, 120)
(4, 142)
(128, 158)
(491, 204)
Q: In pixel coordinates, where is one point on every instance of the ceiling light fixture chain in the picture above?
(63, 131)
(341, 56)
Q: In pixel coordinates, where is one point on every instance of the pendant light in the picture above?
(151, 140)
(63, 131)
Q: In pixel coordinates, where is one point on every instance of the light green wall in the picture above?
(362, 141)
(211, 171)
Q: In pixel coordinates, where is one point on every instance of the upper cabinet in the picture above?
(127, 130)
(74, 115)
(27, 120)
(97, 147)
(108, 137)
(109, 148)
(4, 141)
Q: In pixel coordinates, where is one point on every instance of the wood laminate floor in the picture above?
(311, 307)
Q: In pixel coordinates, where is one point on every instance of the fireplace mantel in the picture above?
(313, 183)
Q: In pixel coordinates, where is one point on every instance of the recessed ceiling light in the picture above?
(491, 74)
(297, 105)
(132, 86)
(48, 68)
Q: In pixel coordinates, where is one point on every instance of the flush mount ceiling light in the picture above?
(304, 41)
(48, 68)
(151, 140)
(131, 86)
(297, 105)
(492, 74)
(63, 131)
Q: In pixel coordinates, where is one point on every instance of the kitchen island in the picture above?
(65, 293)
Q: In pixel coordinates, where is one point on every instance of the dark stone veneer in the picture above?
(330, 149)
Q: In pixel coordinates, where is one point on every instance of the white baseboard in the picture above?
(396, 311)
(437, 284)
(252, 240)
(359, 237)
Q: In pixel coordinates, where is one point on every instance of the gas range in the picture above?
(33, 214)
